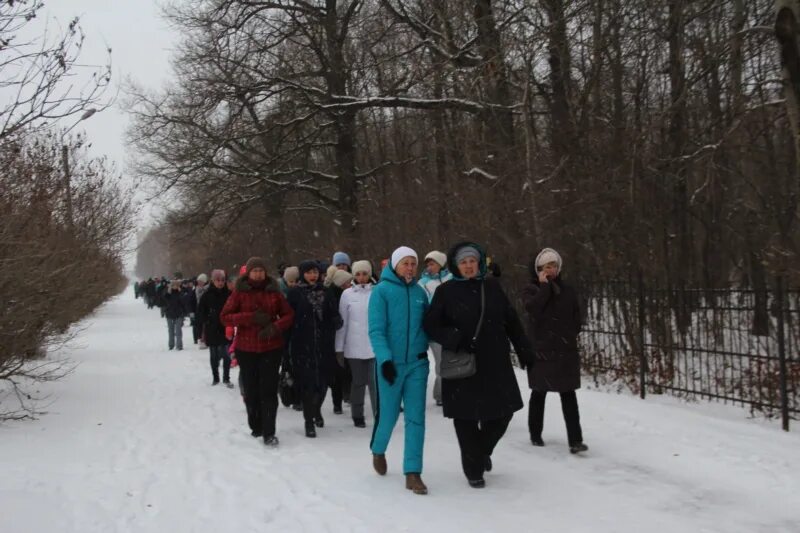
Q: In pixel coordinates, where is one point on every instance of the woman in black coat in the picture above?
(481, 405)
(313, 354)
(208, 310)
(555, 322)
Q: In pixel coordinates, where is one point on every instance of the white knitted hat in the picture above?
(362, 266)
(401, 253)
(439, 257)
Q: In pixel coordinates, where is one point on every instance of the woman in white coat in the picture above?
(352, 340)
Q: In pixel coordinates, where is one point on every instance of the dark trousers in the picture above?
(340, 388)
(220, 353)
(477, 441)
(197, 329)
(312, 405)
(363, 371)
(569, 406)
(260, 374)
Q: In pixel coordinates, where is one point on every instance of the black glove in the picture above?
(261, 318)
(389, 372)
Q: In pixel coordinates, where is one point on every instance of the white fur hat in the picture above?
(548, 255)
(341, 278)
(438, 257)
(362, 266)
(401, 253)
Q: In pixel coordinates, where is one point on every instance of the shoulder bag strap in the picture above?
(483, 310)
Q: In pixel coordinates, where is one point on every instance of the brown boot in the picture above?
(414, 483)
(379, 463)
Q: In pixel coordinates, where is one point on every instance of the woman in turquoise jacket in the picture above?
(396, 310)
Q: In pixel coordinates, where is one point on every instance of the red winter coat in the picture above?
(242, 305)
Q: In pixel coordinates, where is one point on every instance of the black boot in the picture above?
(487, 464)
(578, 447)
(319, 422)
(359, 423)
(476, 483)
(310, 431)
(537, 441)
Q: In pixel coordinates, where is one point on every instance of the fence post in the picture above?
(642, 351)
(782, 352)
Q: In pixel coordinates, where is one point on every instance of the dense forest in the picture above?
(636, 134)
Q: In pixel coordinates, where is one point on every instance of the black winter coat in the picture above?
(554, 320)
(312, 348)
(176, 304)
(492, 392)
(208, 310)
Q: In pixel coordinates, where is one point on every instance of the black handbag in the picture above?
(287, 390)
(461, 364)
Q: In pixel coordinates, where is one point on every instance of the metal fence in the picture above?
(738, 346)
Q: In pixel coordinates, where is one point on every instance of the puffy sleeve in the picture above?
(344, 312)
(535, 298)
(516, 332)
(378, 326)
(232, 315)
(285, 314)
(435, 323)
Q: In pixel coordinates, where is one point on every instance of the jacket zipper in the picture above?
(408, 321)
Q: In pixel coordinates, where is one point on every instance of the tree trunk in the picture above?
(680, 248)
(500, 136)
(345, 128)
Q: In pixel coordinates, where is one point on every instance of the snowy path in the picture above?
(137, 440)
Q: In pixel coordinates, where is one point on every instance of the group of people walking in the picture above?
(336, 327)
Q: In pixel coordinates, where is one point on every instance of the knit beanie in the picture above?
(548, 255)
(305, 266)
(341, 278)
(438, 257)
(291, 274)
(329, 275)
(362, 266)
(401, 253)
(218, 274)
(255, 262)
(202, 278)
(467, 251)
(341, 258)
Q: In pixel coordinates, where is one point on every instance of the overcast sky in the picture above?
(141, 43)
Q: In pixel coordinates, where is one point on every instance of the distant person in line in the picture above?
(197, 327)
(352, 341)
(208, 316)
(483, 404)
(554, 323)
(396, 309)
(435, 274)
(291, 276)
(175, 307)
(261, 315)
(313, 358)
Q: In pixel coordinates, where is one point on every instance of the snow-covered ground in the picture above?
(136, 439)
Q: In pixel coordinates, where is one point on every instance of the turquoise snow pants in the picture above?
(410, 386)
